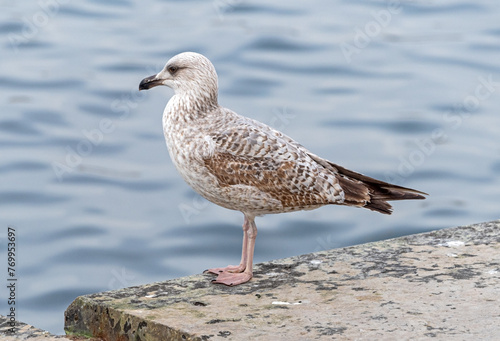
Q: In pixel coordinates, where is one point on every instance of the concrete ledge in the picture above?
(23, 331)
(443, 284)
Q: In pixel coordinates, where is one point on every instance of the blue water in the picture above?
(407, 92)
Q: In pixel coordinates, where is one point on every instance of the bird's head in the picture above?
(187, 73)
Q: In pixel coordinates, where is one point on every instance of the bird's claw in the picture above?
(232, 279)
(229, 268)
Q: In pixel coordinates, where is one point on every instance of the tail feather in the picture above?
(361, 190)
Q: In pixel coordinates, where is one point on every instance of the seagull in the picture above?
(245, 165)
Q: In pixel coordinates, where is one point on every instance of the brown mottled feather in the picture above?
(266, 161)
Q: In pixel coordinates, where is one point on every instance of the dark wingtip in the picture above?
(404, 193)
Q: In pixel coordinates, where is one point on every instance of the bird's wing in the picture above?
(253, 154)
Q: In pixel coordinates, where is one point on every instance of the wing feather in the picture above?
(266, 160)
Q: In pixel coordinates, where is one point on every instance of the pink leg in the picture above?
(234, 275)
(241, 267)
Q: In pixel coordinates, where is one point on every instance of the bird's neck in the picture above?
(190, 105)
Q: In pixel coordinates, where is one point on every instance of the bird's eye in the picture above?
(172, 69)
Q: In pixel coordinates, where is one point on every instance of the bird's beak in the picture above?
(150, 82)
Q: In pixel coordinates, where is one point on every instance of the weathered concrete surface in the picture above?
(23, 331)
(443, 284)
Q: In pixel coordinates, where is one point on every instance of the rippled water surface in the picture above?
(407, 92)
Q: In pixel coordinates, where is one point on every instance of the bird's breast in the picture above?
(188, 145)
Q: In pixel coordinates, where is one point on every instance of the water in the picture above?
(408, 93)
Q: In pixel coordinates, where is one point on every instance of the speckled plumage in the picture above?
(244, 165)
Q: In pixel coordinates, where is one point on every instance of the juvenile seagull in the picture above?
(244, 165)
